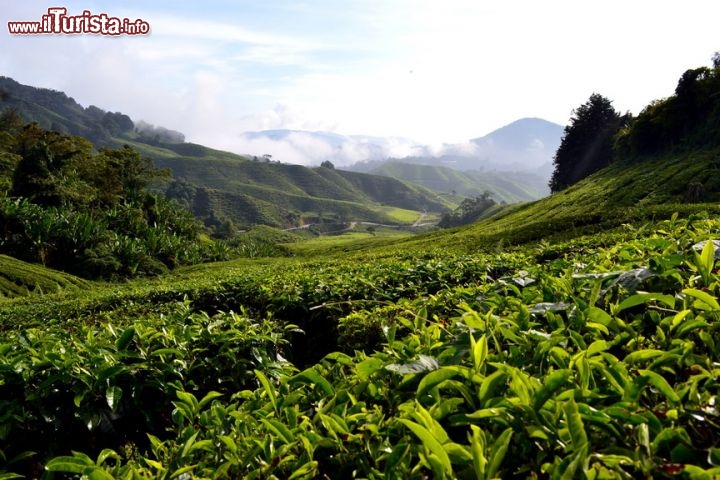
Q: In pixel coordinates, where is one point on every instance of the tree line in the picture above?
(598, 135)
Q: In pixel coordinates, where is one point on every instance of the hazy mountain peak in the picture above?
(525, 133)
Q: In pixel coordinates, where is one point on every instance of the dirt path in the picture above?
(352, 225)
(420, 219)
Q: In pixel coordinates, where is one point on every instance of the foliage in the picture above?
(18, 278)
(469, 211)
(598, 362)
(86, 212)
(688, 119)
(114, 386)
(586, 146)
(457, 355)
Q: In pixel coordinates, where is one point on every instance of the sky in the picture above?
(428, 71)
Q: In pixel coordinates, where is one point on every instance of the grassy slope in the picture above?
(507, 188)
(623, 192)
(258, 192)
(251, 192)
(18, 279)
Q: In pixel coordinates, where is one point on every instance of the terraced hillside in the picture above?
(507, 187)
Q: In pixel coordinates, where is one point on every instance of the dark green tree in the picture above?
(587, 145)
(689, 118)
(120, 173)
(327, 164)
(469, 210)
(46, 172)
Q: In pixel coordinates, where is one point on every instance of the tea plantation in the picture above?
(595, 357)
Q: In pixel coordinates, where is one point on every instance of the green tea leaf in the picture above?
(279, 429)
(458, 454)
(99, 474)
(312, 376)
(188, 399)
(427, 420)
(642, 298)
(714, 456)
(479, 351)
(188, 446)
(703, 297)
(689, 326)
(499, 449)
(520, 384)
(477, 444)
(430, 443)
(487, 413)
(490, 386)
(596, 347)
(10, 476)
(679, 317)
(269, 390)
(643, 355)
(552, 384)
(105, 454)
(124, 340)
(578, 436)
(307, 470)
(367, 367)
(209, 398)
(74, 464)
(599, 315)
(436, 377)
(661, 384)
(707, 257)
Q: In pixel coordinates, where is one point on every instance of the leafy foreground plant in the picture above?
(601, 362)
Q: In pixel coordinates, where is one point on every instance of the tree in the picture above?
(469, 210)
(46, 173)
(689, 118)
(587, 145)
(327, 164)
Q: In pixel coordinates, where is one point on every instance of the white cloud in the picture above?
(432, 71)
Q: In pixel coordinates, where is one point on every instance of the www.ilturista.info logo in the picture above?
(57, 21)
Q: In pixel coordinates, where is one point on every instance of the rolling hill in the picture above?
(505, 187)
(220, 185)
(19, 279)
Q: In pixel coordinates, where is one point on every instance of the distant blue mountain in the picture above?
(526, 145)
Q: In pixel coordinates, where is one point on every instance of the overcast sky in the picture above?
(432, 71)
